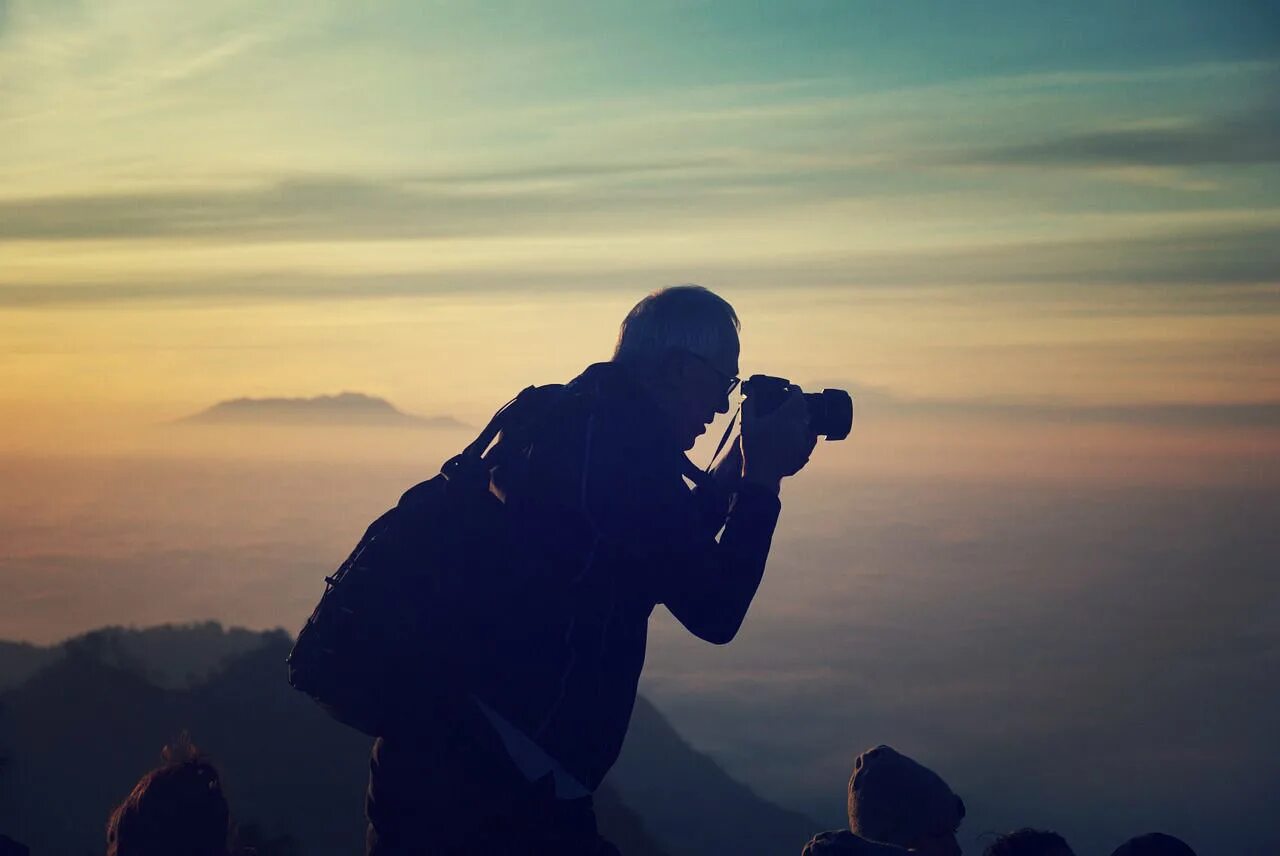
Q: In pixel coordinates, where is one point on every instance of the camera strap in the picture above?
(474, 453)
(699, 476)
(696, 474)
(724, 438)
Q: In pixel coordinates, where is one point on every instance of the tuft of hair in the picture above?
(178, 807)
(180, 751)
(679, 317)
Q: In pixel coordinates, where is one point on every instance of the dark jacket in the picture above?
(604, 528)
(609, 529)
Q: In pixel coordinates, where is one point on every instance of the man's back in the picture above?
(604, 517)
(538, 668)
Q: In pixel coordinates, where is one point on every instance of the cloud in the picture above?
(1216, 269)
(318, 207)
(1239, 140)
(532, 200)
(1230, 414)
(1033, 631)
(1188, 255)
(877, 402)
(287, 288)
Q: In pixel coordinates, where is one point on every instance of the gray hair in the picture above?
(684, 317)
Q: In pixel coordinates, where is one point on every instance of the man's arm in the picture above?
(707, 584)
(710, 586)
(712, 598)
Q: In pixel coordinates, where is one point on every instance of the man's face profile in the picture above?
(699, 389)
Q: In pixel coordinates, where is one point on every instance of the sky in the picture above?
(1039, 243)
(1017, 203)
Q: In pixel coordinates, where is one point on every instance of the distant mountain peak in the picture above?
(345, 408)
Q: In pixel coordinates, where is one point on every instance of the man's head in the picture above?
(681, 343)
(178, 807)
(1029, 842)
(898, 801)
(1154, 844)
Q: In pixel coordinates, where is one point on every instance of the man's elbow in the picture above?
(712, 623)
(721, 633)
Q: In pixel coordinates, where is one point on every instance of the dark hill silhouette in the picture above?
(21, 660)
(83, 728)
(691, 804)
(345, 408)
(169, 655)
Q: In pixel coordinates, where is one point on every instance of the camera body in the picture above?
(830, 411)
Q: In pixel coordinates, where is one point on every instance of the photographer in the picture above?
(607, 529)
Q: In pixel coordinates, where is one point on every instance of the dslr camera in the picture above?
(830, 411)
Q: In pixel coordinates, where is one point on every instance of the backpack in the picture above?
(393, 635)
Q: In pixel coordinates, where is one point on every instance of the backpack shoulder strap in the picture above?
(530, 405)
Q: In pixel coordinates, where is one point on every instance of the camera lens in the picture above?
(830, 413)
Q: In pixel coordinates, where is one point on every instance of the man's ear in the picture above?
(672, 367)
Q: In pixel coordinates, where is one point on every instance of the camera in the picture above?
(830, 411)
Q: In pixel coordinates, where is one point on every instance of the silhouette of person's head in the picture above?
(176, 808)
(681, 344)
(1154, 844)
(895, 800)
(1029, 842)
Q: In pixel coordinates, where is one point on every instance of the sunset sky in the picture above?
(1038, 242)
(1024, 205)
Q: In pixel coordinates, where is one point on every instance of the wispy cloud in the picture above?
(1233, 261)
(1237, 140)
(877, 402)
(353, 207)
(1185, 256)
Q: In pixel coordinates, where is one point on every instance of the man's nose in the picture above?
(723, 406)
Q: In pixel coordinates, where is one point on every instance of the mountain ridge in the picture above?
(344, 408)
(115, 695)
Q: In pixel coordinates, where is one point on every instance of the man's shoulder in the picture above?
(604, 405)
(595, 426)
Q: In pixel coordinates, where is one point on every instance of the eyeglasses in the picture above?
(730, 382)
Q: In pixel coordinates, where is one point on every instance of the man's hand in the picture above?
(778, 444)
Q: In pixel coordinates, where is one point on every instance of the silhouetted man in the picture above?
(610, 530)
